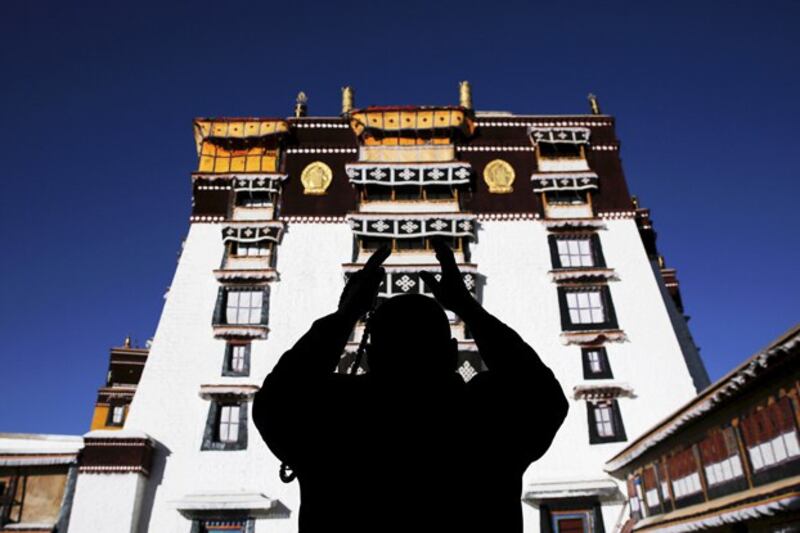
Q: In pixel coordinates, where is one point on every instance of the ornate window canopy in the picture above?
(396, 119)
(405, 279)
(602, 391)
(393, 175)
(559, 135)
(217, 130)
(270, 183)
(567, 181)
(412, 226)
(209, 392)
(270, 231)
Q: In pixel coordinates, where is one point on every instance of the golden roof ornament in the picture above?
(499, 176)
(301, 105)
(348, 99)
(316, 178)
(465, 94)
(127, 343)
(594, 104)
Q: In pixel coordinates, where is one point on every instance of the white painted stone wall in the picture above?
(514, 258)
(185, 355)
(107, 502)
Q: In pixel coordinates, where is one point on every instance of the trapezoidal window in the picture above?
(586, 308)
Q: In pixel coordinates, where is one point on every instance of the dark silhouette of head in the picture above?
(410, 340)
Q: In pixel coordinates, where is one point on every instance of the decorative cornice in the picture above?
(496, 148)
(552, 124)
(307, 219)
(206, 218)
(508, 216)
(322, 150)
(604, 147)
(615, 215)
(323, 125)
(559, 224)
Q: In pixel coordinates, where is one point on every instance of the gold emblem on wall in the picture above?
(499, 176)
(316, 178)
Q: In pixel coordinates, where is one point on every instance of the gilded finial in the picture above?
(127, 342)
(635, 201)
(348, 99)
(595, 105)
(301, 105)
(661, 262)
(465, 95)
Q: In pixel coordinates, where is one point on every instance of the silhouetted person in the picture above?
(409, 446)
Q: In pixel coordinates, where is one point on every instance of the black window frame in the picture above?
(589, 504)
(608, 306)
(616, 420)
(110, 416)
(605, 373)
(211, 440)
(594, 244)
(227, 366)
(219, 317)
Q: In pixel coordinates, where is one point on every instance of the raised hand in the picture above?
(362, 288)
(450, 290)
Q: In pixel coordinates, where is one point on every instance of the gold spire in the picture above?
(127, 343)
(595, 105)
(465, 95)
(301, 105)
(348, 99)
(635, 201)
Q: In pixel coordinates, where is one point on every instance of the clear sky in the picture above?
(96, 146)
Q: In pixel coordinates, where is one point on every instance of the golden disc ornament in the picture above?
(316, 178)
(499, 176)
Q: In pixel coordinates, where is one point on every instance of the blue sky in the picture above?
(96, 146)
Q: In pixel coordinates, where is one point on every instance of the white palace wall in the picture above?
(514, 258)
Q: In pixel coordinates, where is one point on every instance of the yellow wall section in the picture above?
(100, 417)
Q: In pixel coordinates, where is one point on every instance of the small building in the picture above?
(125, 367)
(37, 481)
(729, 460)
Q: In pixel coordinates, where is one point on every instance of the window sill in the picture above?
(596, 336)
(602, 391)
(248, 331)
(592, 274)
(265, 274)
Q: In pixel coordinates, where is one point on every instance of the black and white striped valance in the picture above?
(560, 135)
(409, 174)
(397, 283)
(408, 227)
(270, 232)
(270, 183)
(577, 181)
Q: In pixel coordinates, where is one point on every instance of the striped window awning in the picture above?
(559, 135)
(270, 231)
(567, 181)
(270, 183)
(413, 226)
(394, 175)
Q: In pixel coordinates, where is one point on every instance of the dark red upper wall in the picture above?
(306, 144)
